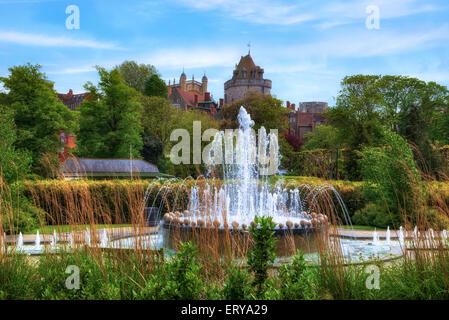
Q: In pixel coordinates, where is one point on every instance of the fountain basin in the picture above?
(238, 240)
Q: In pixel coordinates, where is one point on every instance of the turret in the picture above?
(182, 80)
(204, 84)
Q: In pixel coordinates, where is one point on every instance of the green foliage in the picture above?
(295, 279)
(14, 164)
(38, 113)
(408, 106)
(18, 277)
(17, 213)
(135, 75)
(263, 253)
(152, 149)
(323, 137)
(110, 119)
(265, 110)
(392, 181)
(177, 279)
(356, 118)
(156, 87)
(237, 285)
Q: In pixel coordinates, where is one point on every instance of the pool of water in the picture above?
(354, 251)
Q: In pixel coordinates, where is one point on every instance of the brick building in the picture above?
(306, 118)
(72, 101)
(193, 95)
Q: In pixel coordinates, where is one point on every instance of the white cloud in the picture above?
(41, 40)
(256, 11)
(326, 14)
(369, 43)
(196, 57)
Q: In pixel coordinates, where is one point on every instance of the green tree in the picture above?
(156, 87)
(135, 75)
(14, 164)
(110, 122)
(392, 183)
(38, 113)
(323, 137)
(265, 110)
(357, 118)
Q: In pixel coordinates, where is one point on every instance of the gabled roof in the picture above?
(189, 97)
(83, 166)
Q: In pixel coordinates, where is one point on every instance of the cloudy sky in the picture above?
(306, 47)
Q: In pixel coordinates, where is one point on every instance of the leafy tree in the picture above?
(408, 106)
(185, 120)
(392, 182)
(159, 117)
(38, 113)
(110, 122)
(135, 75)
(324, 137)
(265, 110)
(155, 87)
(357, 118)
(152, 149)
(14, 164)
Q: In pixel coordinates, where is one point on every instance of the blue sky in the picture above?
(306, 47)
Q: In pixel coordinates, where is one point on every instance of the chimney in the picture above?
(207, 96)
(195, 102)
(288, 104)
(293, 106)
(221, 102)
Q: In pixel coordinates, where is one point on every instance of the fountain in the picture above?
(37, 242)
(87, 237)
(104, 239)
(229, 208)
(53, 240)
(20, 242)
(401, 237)
(71, 240)
(388, 236)
(375, 237)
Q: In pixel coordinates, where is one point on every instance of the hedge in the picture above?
(117, 201)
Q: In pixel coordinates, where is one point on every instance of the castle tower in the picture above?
(182, 80)
(204, 84)
(246, 76)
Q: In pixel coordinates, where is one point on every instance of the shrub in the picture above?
(391, 179)
(178, 279)
(237, 285)
(294, 279)
(17, 277)
(262, 256)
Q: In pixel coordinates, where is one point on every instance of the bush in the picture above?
(294, 279)
(17, 277)
(17, 213)
(178, 279)
(391, 179)
(374, 214)
(237, 285)
(262, 256)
